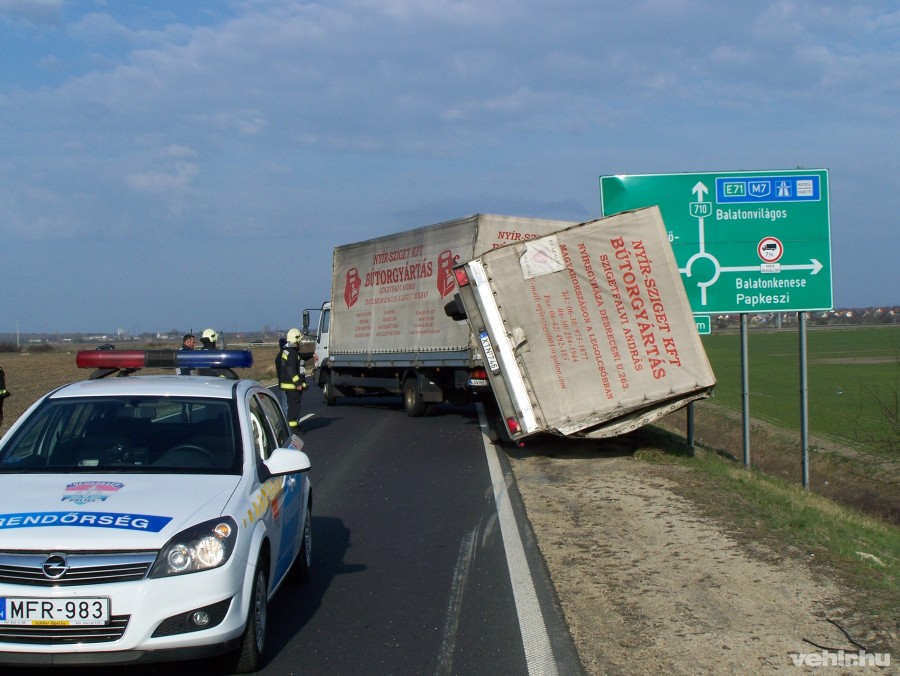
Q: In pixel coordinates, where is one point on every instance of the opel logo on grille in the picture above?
(55, 566)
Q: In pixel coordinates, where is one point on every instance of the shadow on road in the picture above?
(295, 604)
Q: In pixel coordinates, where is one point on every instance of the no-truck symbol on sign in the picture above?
(770, 249)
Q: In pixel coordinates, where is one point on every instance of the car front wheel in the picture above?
(303, 565)
(253, 643)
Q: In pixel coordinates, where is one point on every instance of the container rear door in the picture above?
(504, 372)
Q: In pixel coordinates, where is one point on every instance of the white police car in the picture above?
(151, 517)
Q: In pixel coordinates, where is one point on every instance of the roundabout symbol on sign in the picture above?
(770, 249)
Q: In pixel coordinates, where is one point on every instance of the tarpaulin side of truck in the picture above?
(384, 330)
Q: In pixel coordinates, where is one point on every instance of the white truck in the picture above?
(573, 329)
(385, 331)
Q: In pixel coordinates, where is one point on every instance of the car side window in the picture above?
(276, 419)
(263, 439)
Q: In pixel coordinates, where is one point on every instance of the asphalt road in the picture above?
(411, 571)
(416, 570)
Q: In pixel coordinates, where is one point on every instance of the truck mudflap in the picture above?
(588, 331)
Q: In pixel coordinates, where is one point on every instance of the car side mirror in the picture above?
(287, 461)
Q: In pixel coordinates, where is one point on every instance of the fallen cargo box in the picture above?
(585, 332)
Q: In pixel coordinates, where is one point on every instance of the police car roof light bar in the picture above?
(227, 359)
(135, 359)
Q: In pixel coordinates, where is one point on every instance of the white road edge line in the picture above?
(538, 653)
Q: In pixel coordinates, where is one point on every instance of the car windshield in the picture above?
(138, 434)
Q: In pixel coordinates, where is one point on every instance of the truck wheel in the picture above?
(413, 401)
(328, 391)
(496, 429)
(493, 434)
(500, 435)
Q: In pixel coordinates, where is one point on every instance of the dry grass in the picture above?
(31, 375)
(835, 472)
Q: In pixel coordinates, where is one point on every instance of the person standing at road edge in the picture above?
(292, 376)
(278, 360)
(209, 337)
(4, 393)
(189, 342)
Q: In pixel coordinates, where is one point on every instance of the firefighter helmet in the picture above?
(294, 336)
(210, 335)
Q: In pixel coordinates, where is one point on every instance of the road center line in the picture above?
(454, 605)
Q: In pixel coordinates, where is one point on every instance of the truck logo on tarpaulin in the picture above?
(446, 280)
(351, 287)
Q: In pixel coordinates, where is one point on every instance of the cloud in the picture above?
(38, 12)
(101, 29)
(245, 123)
(164, 183)
(175, 180)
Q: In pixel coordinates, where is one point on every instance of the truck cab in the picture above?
(320, 334)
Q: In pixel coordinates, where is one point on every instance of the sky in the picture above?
(171, 165)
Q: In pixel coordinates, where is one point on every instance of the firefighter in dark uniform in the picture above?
(208, 341)
(281, 398)
(208, 338)
(4, 393)
(292, 376)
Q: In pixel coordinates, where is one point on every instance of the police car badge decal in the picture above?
(84, 492)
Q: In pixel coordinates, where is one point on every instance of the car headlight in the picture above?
(201, 547)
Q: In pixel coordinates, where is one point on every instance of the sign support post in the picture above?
(745, 390)
(690, 427)
(804, 401)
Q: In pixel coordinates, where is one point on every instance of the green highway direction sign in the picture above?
(744, 241)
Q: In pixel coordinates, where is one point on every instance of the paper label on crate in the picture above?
(541, 257)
